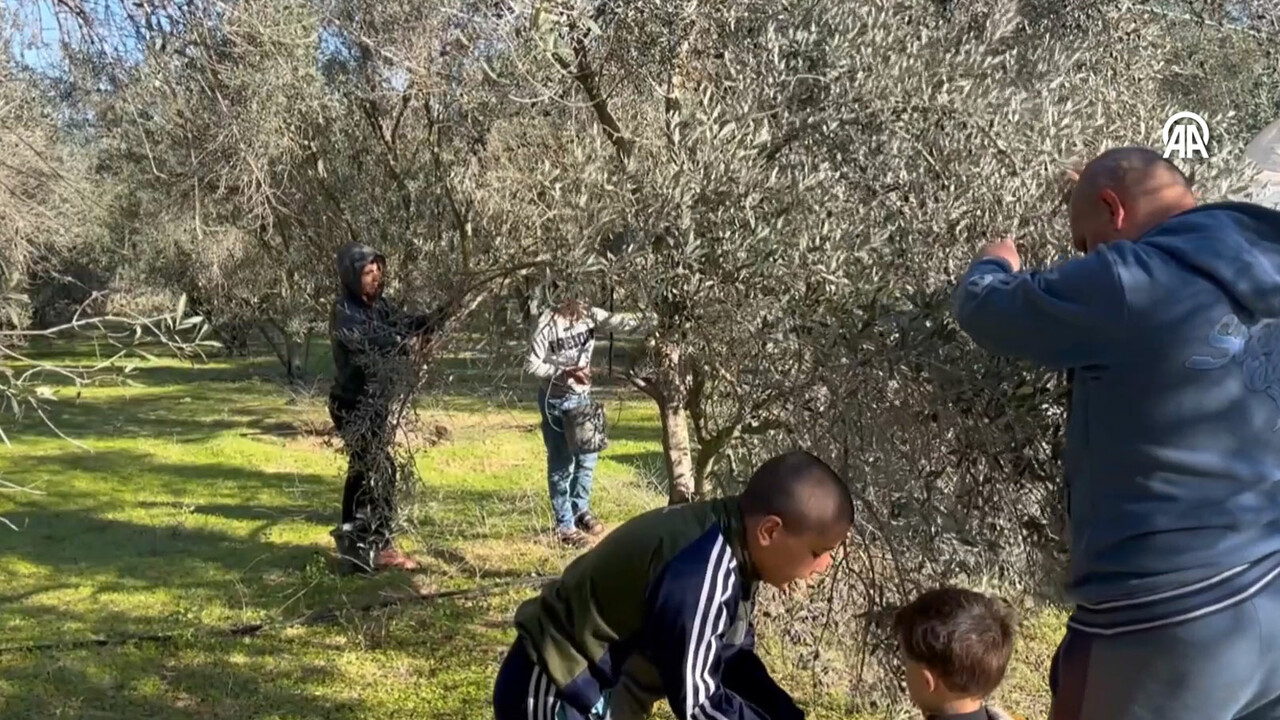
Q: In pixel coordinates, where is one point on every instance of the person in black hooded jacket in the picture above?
(369, 336)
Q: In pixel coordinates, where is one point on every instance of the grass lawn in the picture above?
(197, 506)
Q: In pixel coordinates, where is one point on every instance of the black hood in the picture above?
(351, 261)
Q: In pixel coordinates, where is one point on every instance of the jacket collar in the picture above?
(736, 533)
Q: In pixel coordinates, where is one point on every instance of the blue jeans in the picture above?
(568, 474)
(1224, 666)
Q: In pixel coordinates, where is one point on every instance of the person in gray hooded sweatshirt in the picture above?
(368, 336)
(1169, 328)
(560, 355)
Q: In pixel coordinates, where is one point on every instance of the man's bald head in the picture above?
(1123, 193)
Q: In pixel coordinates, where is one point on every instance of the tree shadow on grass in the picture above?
(187, 403)
(76, 538)
(201, 568)
(647, 463)
(453, 513)
(98, 542)
(637, 432)
(137, 475)
(187, 413)
(273, 515)
(143, 533)
(233, 679)
(431, 659)
(195, 584)
(628, 439)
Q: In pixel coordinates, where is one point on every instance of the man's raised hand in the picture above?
(1003, 249)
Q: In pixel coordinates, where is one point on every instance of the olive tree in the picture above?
(798, 185)
(256, 139)
(971, 133)
(50, 208)
(707, 215)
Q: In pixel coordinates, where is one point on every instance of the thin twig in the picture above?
(54, 428)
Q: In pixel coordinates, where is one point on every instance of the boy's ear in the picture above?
(930, 680)
(768, 529)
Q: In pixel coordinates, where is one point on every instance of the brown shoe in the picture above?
(572, 537)
(588, 524)
(392, 559)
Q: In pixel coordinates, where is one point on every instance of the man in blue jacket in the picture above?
(1169, 326)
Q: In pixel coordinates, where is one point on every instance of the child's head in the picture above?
(571, 309)
(955, 644)
(797, 510)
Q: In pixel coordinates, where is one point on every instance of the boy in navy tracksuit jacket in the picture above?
(1171, 326)
(662, 606)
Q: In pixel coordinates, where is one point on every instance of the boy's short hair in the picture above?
(963, 637)
(801, 489)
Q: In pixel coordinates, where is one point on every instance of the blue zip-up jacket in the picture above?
(675, 586)
(1172, 464)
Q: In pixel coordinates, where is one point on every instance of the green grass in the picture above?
(198, 506)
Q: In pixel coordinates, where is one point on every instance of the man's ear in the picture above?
(1114, 206)
(768, 529)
